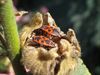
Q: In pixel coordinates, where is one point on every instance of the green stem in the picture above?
(7, 20)
(10, 28)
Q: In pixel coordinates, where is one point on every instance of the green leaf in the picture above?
(81, 69)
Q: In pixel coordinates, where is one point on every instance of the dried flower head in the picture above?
(46, 50)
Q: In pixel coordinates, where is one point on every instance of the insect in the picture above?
(42, 41)
(48, 31)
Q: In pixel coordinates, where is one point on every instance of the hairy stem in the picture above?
(10, 28)
(7, 20)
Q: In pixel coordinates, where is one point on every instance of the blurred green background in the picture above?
(81, 15)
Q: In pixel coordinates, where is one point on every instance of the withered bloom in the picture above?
(46, 50)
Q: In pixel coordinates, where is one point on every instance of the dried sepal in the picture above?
(39, 60)
(74, 42)
(36, 21)
(47, 19)
(20, 13)
(69, 58)
(67, 66)
(26, 31)
(65, 48)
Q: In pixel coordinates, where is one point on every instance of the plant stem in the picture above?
(7, 20)
(10, 28)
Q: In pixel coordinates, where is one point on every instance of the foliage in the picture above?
(80, 69)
